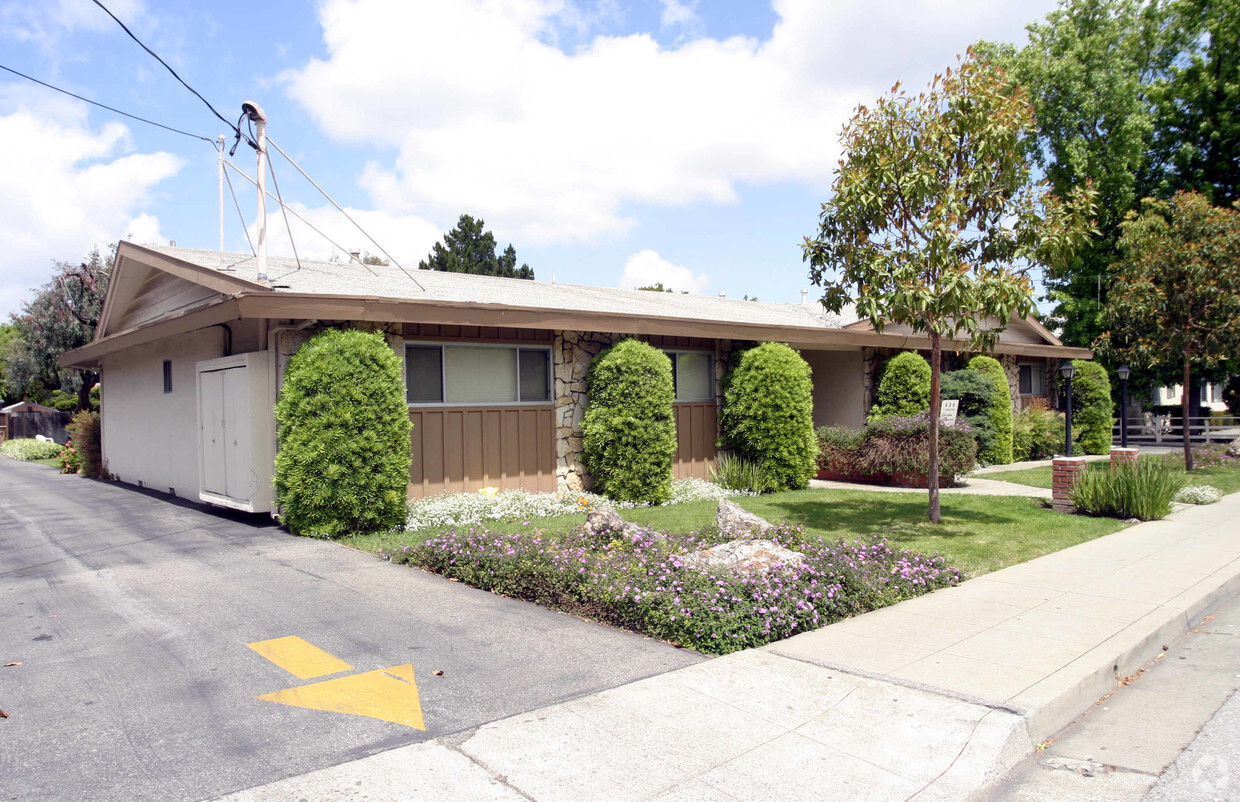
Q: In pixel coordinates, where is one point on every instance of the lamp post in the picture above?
(1123, 371)
(1067, 370)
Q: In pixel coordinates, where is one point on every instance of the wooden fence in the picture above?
(1149, 430)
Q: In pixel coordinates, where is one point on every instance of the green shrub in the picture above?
(28, 449)
(902, 444)
(976, 392)
(61, 401)
(904, 388)
(1038, 433)
(1231, 395)
(1091, 407)
(628, 432)
(343, 433)
(738, 473)
(70, 459)
(84, 430)
(999, 412)
(1144, 490)
(840, 449)
(768, 414)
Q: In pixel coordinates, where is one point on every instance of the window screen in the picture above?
(1032, 380)
(534, 371)
(480, 375)
(694, 381)
(423, 373)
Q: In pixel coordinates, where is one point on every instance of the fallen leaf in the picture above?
(437, 673)
(3, 714)
(6, 665)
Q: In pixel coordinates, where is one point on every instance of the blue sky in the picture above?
(613, 143)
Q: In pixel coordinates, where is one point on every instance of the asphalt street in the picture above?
(129, 618)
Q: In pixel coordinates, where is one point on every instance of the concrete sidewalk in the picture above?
(930, 699)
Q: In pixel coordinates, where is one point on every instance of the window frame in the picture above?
(1031, 394)
(674, 355)
(443, 374)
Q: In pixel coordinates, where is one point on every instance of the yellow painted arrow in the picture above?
(389, 694)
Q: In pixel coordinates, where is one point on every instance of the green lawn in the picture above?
(1033, 477)
(979, 534)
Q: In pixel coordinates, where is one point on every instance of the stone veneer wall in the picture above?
(570, 356)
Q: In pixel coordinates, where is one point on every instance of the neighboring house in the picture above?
(1209, 396)
(193, 347)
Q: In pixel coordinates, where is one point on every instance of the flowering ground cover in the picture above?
(641, 583)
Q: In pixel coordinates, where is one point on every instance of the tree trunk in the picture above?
(932, 477)
(1184, 410)
(88, 381)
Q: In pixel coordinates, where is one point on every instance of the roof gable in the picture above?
(1027, 330)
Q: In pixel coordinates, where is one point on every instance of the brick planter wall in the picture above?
(1124, 456)
(1065, 472)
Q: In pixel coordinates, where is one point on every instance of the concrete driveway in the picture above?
(146, 630)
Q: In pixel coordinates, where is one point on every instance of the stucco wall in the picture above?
(150, 438)
(839, 387)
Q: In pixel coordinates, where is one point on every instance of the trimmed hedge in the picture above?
(1091, 407)
(768, 414)
(628, 432)
(343, 432)
(976, 393)
(904, 388)
(896, 445)
(999, 412)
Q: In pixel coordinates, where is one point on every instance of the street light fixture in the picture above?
(1123, 371)
(1067, 370)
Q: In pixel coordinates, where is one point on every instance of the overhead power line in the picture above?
(103, 106)
(181, 80)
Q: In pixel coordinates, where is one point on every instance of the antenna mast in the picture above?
(255, 113)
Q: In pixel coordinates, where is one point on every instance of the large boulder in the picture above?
(734, 519)
(1233, 450)
(744, 556)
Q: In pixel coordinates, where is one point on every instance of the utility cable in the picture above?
(271, 168)
(155, 56)
(238, 205)
(293, 212)
(346, 214)
(102, 106)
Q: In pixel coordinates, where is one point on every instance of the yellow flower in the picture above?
(488, 491)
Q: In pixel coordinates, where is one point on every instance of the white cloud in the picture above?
(74, 187)
(408, 238)
(646, 268)
(46, 23)
(488, 117)
(144, 230)
(676, 12)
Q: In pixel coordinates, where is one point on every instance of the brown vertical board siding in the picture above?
(697, 426)
(463, 449)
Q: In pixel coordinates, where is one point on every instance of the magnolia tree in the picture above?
(1175, 302)
(935, 221)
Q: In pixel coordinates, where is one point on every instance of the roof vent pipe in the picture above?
(255, 113)
(804, 297)
(723, 294)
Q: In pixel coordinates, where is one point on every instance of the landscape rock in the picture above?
(734, 518)
(744, 556)
(605, 524)
(1233, 450)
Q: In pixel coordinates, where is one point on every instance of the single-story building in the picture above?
(192, 346)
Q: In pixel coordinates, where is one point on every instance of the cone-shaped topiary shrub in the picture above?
(628, 432)
(999, 411)
(904, 388)
(343, 433)
(1091, 406)
(768, 415)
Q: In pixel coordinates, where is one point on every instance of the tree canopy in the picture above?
(62, 316)
(1175, 306)
(935, 218)
(470, 248)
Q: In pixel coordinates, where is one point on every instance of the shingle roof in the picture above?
(374, 281)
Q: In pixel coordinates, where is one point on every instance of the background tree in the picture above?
(935, 218)
(8, 333)
(1196, 142)
(1176, 300)
(62, 316)
(1088, 70)
(469, 248)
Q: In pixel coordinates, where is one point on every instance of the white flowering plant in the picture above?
(462, 509)
(1199, 494)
